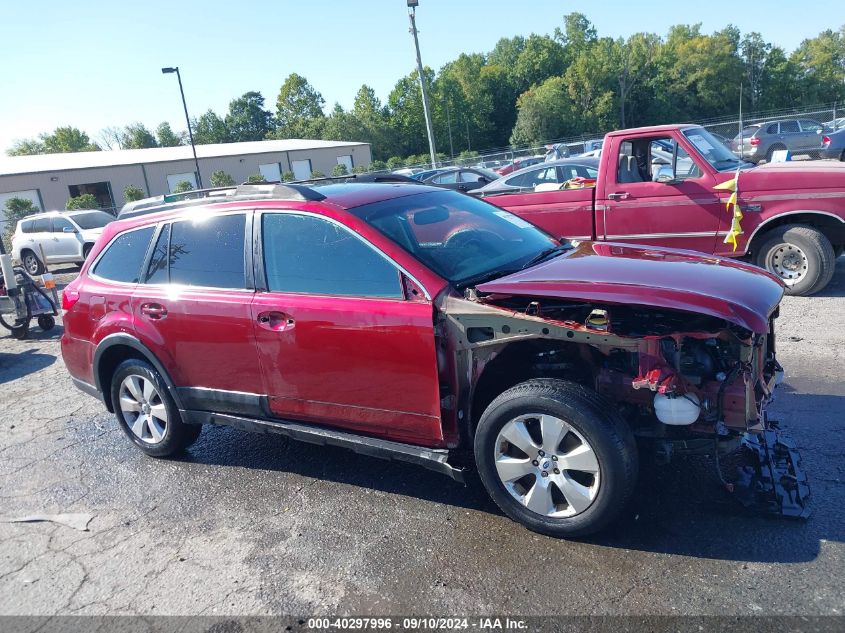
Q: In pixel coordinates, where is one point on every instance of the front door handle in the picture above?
(276, 321)
(154, 311)
(620, 195)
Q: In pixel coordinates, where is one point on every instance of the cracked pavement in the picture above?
(249, 524)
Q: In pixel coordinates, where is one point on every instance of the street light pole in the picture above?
(175, 69)
(412, 14)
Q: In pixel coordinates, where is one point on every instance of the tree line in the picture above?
(524, 91)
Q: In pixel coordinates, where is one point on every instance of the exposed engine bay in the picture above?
(686, 383)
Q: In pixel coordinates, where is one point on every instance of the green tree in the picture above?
(137, 136)
(210, 128)
(255, 178)
(247, 119)
(316, 173)
(166, 137)
(821, 63)
(131, 192)
(288, 176)
(378, 165)
(16, 209)
(541, 58)
(299, 107)
(82, 201)
(544, 113)
(506, 51)
(182, 186)
(26, 147)
(631, 62)
(339, 170)
(220, 178)
(61, 140)
(755, 51)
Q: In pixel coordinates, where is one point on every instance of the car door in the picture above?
(41, 238)
(339, 343)
(634, 207)
(65, 238)
(811, 134)
(470, 180)
(192, 310)
(790, 135)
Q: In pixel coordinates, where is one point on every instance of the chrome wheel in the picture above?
(788, 262)
(143, 409)
(547, 466)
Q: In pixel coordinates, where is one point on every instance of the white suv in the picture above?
(64, 237)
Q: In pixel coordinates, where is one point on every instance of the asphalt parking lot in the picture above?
(248, 524)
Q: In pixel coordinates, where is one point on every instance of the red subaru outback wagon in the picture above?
(424, 325)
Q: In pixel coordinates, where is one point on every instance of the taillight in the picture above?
(754, 140)
(69, 299)
(825, 140)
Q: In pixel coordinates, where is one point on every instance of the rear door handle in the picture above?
(621, 195)
(276, 321)
(154, 311)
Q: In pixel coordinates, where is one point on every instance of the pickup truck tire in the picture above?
(799, 255)
(147, 413)
(556, 457)
(31, 263)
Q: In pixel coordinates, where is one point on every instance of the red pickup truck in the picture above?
(655, 186)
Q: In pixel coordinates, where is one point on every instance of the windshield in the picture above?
(711, 150)
(92, 219)
(461, 238)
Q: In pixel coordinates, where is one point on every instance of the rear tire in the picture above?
(146, 412)
(801, 256)
(571, 434)
(46, 322)
(31, 263)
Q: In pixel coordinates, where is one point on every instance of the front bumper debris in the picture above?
(772, 481)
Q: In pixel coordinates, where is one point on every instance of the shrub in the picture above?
(85, 201)
(131, 192)
(220, 178)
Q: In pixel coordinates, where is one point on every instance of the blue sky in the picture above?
(96, 63)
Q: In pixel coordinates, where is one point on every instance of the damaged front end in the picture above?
(687, 382)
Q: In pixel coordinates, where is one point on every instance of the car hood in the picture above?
(679, 280)
(789, 176)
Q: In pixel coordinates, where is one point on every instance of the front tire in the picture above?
(801, 256)
(556, 457)
(147, 413)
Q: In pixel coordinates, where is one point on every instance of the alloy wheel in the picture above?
(31, 264)
(788, 262)
(547, 466)
(143, 409)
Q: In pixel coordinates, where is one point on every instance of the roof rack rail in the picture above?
(195, 197)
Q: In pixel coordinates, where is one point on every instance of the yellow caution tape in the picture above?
(732, 205)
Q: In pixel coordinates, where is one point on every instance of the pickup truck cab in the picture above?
(656, 186)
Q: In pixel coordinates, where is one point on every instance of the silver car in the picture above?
(833, 145)
(760, 141)
(556, 171)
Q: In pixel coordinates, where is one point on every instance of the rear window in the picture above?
(92, 220)
(208, 252)
(748, 132)
(123, 258)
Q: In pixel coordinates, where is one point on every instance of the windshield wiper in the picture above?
(548, 254)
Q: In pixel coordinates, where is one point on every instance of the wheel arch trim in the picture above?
(763, 225)
(127, 340)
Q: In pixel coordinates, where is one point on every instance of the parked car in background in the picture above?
(462, 178)
(64, 237)
(834, 124)
(407, 171)
(833, 145)
(425, 326)
(760, 141)
(428, 173)
(519, 163)
(558, 171)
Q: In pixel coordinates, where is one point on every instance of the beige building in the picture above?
(50, 179)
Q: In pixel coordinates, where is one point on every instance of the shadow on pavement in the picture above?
(678, 509)
(14, 366)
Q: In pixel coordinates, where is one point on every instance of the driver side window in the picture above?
(641, 159)
(311, 255)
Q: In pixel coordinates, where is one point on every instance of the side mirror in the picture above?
(68, 229)
(665, 175)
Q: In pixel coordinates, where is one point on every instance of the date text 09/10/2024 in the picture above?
(417, 623)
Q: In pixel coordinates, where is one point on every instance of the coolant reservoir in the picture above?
(677, 410)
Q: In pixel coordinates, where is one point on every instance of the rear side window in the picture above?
(60, 224)
(26, 226)
(787, 127)
(157, 272)
(208, 252)
(772, 129)
(41, 225)
(123, 258)
(306, 254)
